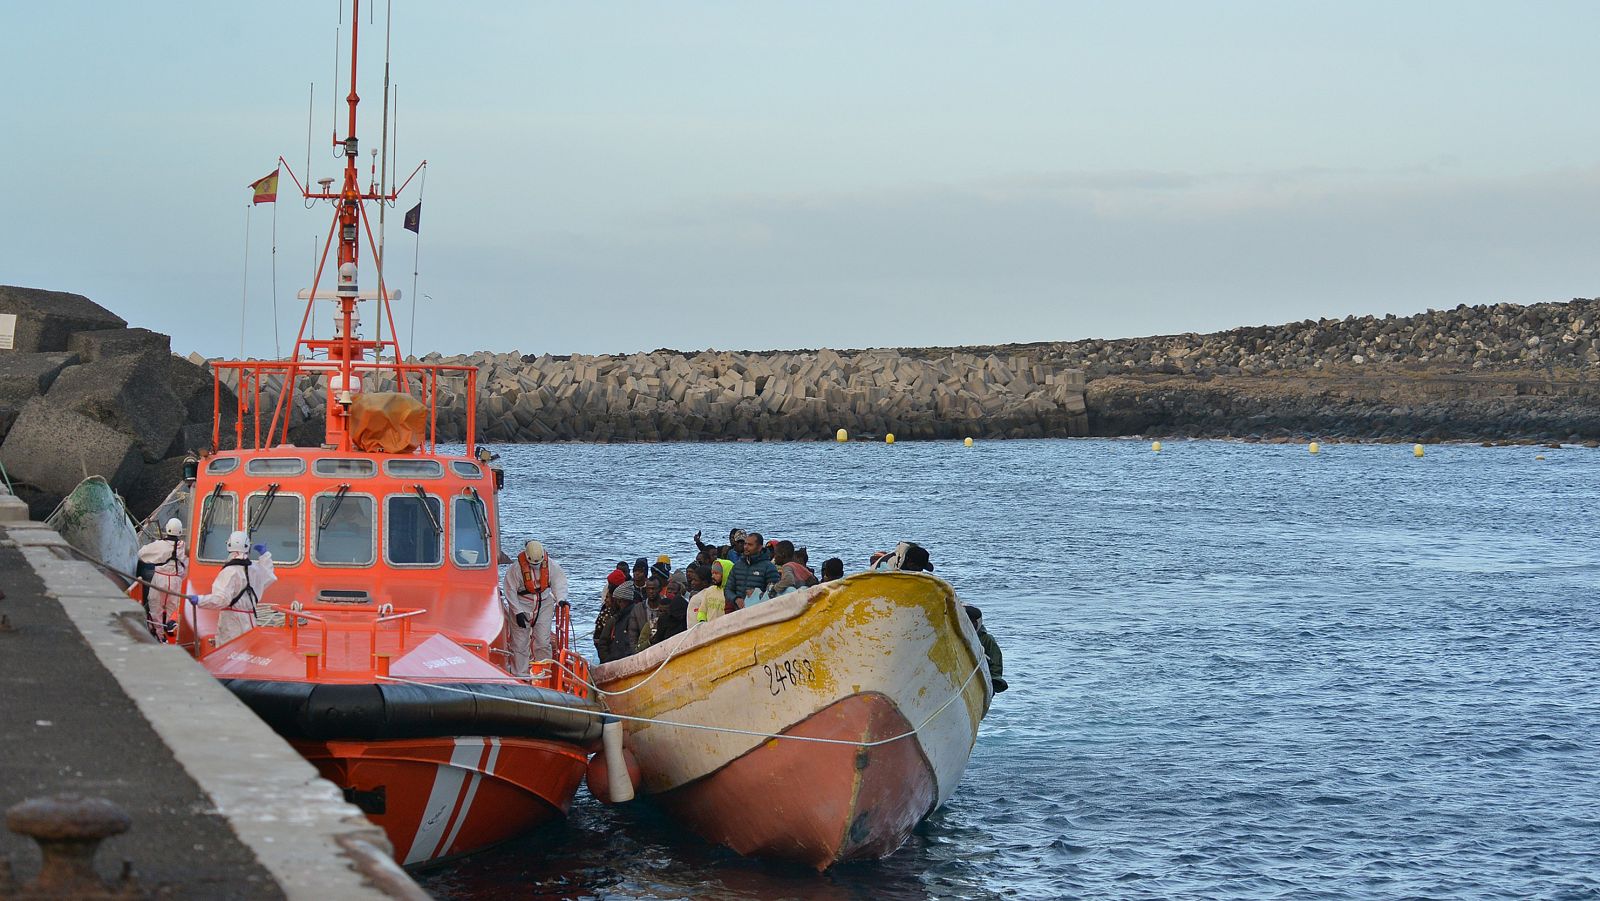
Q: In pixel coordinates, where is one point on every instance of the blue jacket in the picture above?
(758, 572)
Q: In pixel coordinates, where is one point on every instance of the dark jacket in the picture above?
(632, 621)
(673, 619)
(758, 572)
(991, 650)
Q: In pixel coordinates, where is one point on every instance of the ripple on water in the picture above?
(1234, 674)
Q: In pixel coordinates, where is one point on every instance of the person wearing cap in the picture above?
(238, 588)
(168, 560)
(532, 586)
(734, 546)
(707, 601)
(991, 650)
(663, 569)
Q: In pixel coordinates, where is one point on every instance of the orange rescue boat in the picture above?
(380, 651)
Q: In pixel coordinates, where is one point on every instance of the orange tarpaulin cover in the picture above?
(387, 422)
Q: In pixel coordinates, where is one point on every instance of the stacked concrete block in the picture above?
(83, 394)
(712, 395)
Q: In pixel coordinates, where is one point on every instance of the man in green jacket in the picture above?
(991, 650)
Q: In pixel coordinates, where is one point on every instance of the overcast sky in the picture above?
(609, 177)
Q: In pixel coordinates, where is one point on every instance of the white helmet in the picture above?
(175, 527)
(238, 543)
(535, 552)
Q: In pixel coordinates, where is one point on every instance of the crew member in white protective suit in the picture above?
(169, 555)
(237, 590)
(531, 588)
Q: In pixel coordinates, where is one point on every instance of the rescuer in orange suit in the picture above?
(530, 589)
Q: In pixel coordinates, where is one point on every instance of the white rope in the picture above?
(702, 727)
(613, 694)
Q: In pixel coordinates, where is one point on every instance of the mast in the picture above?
(344, 357)
(346, 350)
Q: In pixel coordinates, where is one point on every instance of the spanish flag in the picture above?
(266, 189)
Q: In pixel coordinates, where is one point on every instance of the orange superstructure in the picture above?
(380, 651)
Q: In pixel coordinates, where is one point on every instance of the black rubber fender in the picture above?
(378, 711)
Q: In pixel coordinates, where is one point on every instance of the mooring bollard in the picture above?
(69, 830)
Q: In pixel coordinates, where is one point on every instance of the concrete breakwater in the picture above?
(715, 395)
(81, 391)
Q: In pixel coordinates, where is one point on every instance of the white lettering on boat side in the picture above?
(249, 658)
(444, 661)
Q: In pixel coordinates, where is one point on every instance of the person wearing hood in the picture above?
(674, 617)
(706, 601)
(632, 622)
(238, 588)
(532, 586)
(168, 558)
(753, 573)
(607, 617)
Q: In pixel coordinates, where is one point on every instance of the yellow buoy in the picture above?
(1416, 450)
(889, 438)
(967, 442)
(1314, 447)
(841, 436)
(1539, 457)
(1155, 446)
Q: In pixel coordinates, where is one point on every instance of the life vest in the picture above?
(528, 585)
(248, 589)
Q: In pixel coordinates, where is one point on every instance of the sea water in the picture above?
(1237, 670)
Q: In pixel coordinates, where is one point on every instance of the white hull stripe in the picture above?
(486, 767)
(443, 798)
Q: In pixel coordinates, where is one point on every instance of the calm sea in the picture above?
(1237, 670)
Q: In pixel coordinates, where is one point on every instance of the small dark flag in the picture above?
(414, 218)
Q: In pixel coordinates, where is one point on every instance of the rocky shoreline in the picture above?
(81, 391)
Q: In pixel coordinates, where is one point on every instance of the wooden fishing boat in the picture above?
(94, 520)
(819, 726)
(386, 663)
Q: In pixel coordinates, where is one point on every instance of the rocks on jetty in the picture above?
(712, 395)
(82, 393)
(1482, 338)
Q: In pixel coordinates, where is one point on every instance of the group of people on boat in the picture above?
(645, 604)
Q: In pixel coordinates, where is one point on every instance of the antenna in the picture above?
(311, 100)
(336, 84)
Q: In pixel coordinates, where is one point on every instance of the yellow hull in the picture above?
(896, 644)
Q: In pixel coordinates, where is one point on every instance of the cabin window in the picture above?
(275, 519)
(413, 469)
(343, 524)
(216, 520)
(340, 468)
(219, 466)
(466, 470)
(413, 530)
(469, 531)
(275, 466)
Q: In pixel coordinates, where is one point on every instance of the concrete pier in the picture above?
(221, 807)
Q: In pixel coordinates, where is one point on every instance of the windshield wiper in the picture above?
(266, 505)
(332, 508)
(432, 520)
(479, 515)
